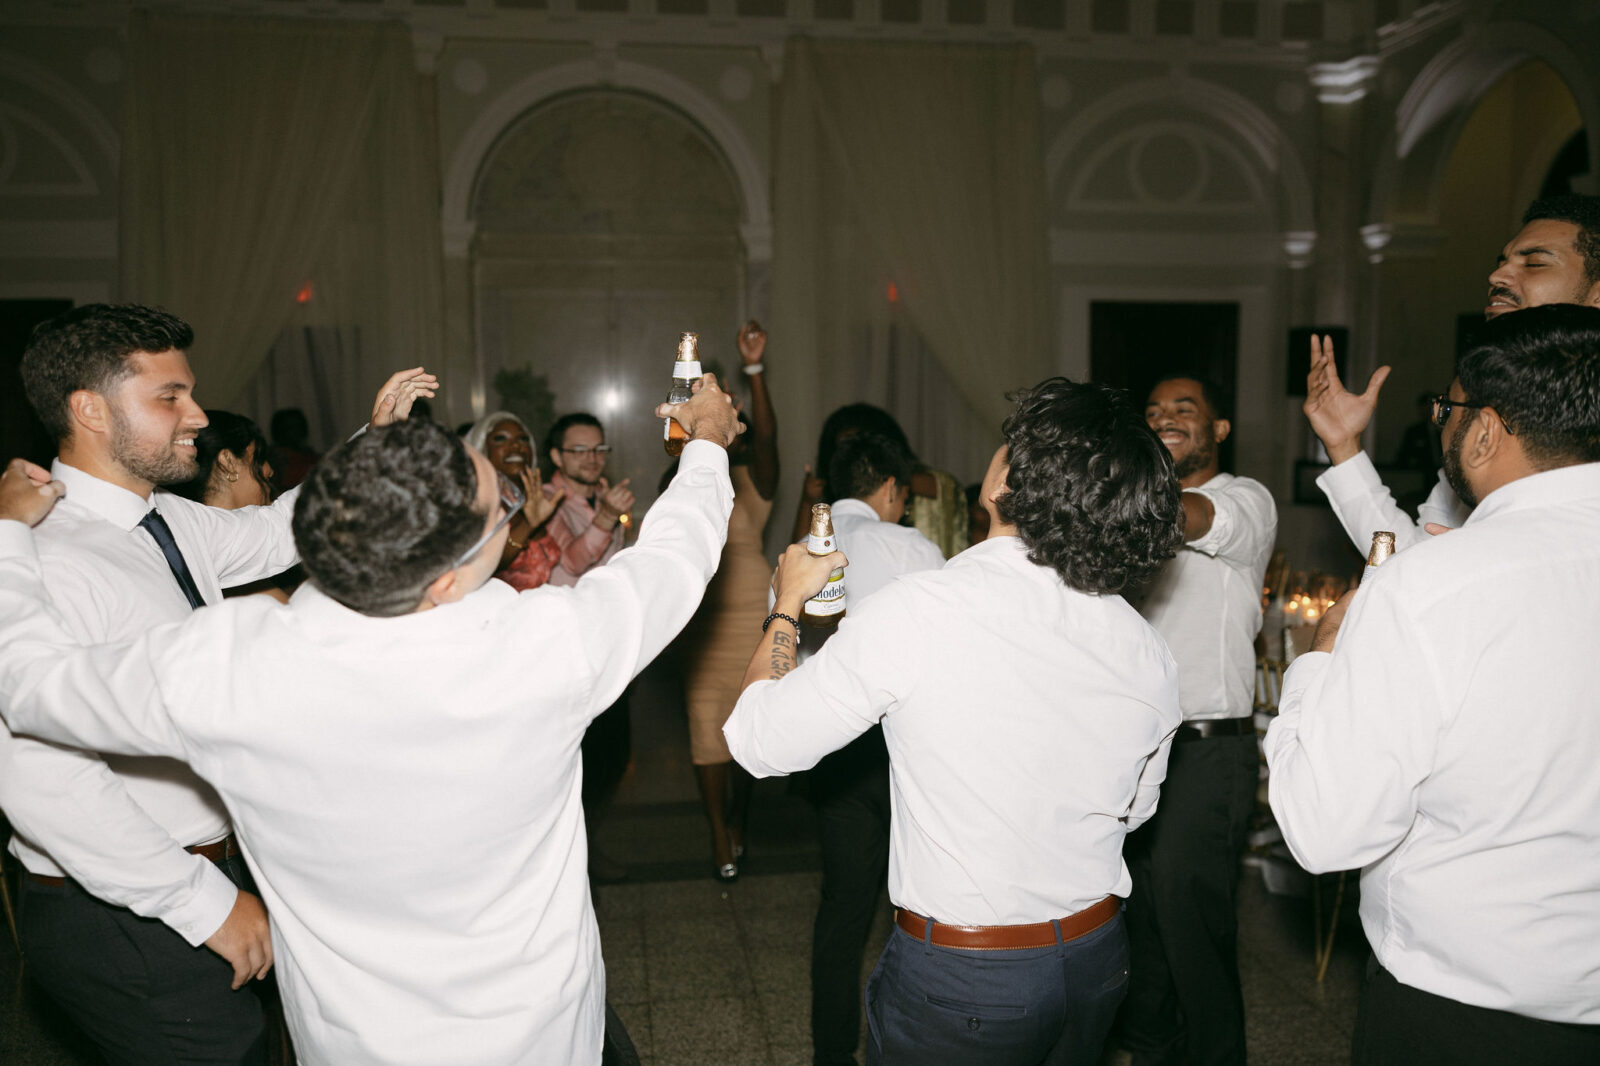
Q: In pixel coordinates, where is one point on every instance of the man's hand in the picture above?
(752, 342)
(245, 939)
(399, 393)
(27, 493)
(1337, 415)
(1328, 628)
(707, 415)
(800, 576)
(539, 507)
(612, 502)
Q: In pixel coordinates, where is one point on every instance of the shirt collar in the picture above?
(101, 498)
(1562, 485)
(852, 506)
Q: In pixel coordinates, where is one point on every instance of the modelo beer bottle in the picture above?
(826, 608)
(685, 371)
(1382, 548)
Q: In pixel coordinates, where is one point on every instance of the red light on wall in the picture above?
(304, 296)
(894, 293)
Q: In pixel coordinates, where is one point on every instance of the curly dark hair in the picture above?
(88, 347)
(1581, 211)
(861, 462)
(224, 432)
(382, 515)
(1091, 488)
(1540, 370)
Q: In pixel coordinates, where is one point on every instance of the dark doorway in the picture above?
(1134, 345)
(21, 434)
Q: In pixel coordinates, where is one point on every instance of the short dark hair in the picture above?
(1091, 488)
(1581, 211)
(224, 432)
(846, 422)
(861, 463)
(88, 347)
(290, 429)
(1213, 392)
(382, 515)
(1540, 370)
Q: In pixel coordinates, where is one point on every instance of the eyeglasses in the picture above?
(511, 499)
(583, 449)
(1442, 405)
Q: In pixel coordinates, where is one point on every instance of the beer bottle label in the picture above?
(831, 599)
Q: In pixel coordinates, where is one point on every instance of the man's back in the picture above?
(1467, 754)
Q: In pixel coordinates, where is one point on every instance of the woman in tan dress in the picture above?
(725, 631)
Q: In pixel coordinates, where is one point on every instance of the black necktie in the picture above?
(158, 528)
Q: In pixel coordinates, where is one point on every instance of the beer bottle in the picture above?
(685, 371)
(1382, 548)
(826, 608)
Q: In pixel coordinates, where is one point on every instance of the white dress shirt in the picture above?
(1027, 727)
(1206, 600)
(406, 790)
(878, 551)
(1449, 746)
(118, 826)
(1364, 505)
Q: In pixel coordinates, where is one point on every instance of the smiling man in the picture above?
(130, 863)
(1184, 1000)
(1554, 258)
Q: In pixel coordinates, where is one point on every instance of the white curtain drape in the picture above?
(910, 258)
(283, 175)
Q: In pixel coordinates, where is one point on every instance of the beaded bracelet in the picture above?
(778, 614)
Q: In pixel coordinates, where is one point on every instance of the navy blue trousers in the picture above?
(929, 1005)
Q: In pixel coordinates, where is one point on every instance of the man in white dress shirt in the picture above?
(1554, 258)
(850, 787)
(405, 784)
(1184, 1002)
(1027, 711)
(1447, 744)
(129, 863)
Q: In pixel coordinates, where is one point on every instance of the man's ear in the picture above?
(1220, 428)
(90, 411)
(1487, 437)
(555, 458)
(446, 588)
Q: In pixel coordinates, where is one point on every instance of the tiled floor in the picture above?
(710, 975)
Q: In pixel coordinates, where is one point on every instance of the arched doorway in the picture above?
(1453, 202)
(606, 223)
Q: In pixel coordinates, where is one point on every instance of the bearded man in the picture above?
(1184, 1001)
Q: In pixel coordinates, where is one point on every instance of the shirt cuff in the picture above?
(1356, 476)
(203, 914)
(1211, 541)
(16, 540)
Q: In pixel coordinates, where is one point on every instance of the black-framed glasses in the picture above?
(511, 499)
(1442, 405)
(583, 449)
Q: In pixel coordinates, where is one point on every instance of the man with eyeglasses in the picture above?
(1447, 743)
(1554, 258)
(588, 531)
(587, 527)
(405, 789)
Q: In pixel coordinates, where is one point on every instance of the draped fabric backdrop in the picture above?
(916, 167)
(261, 157)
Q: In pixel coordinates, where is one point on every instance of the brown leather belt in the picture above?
(217, 851)
(1008, 937)
(1205, 728)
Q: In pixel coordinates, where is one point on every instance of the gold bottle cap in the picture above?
(688, 347)
(1382, 547)
(821, 520)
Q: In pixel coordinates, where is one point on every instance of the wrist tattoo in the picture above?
(781, 661)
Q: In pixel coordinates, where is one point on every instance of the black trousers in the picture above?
(1398, 1025)
(851, 791)
(137, 988)
(1184, 999)
(607, 747)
